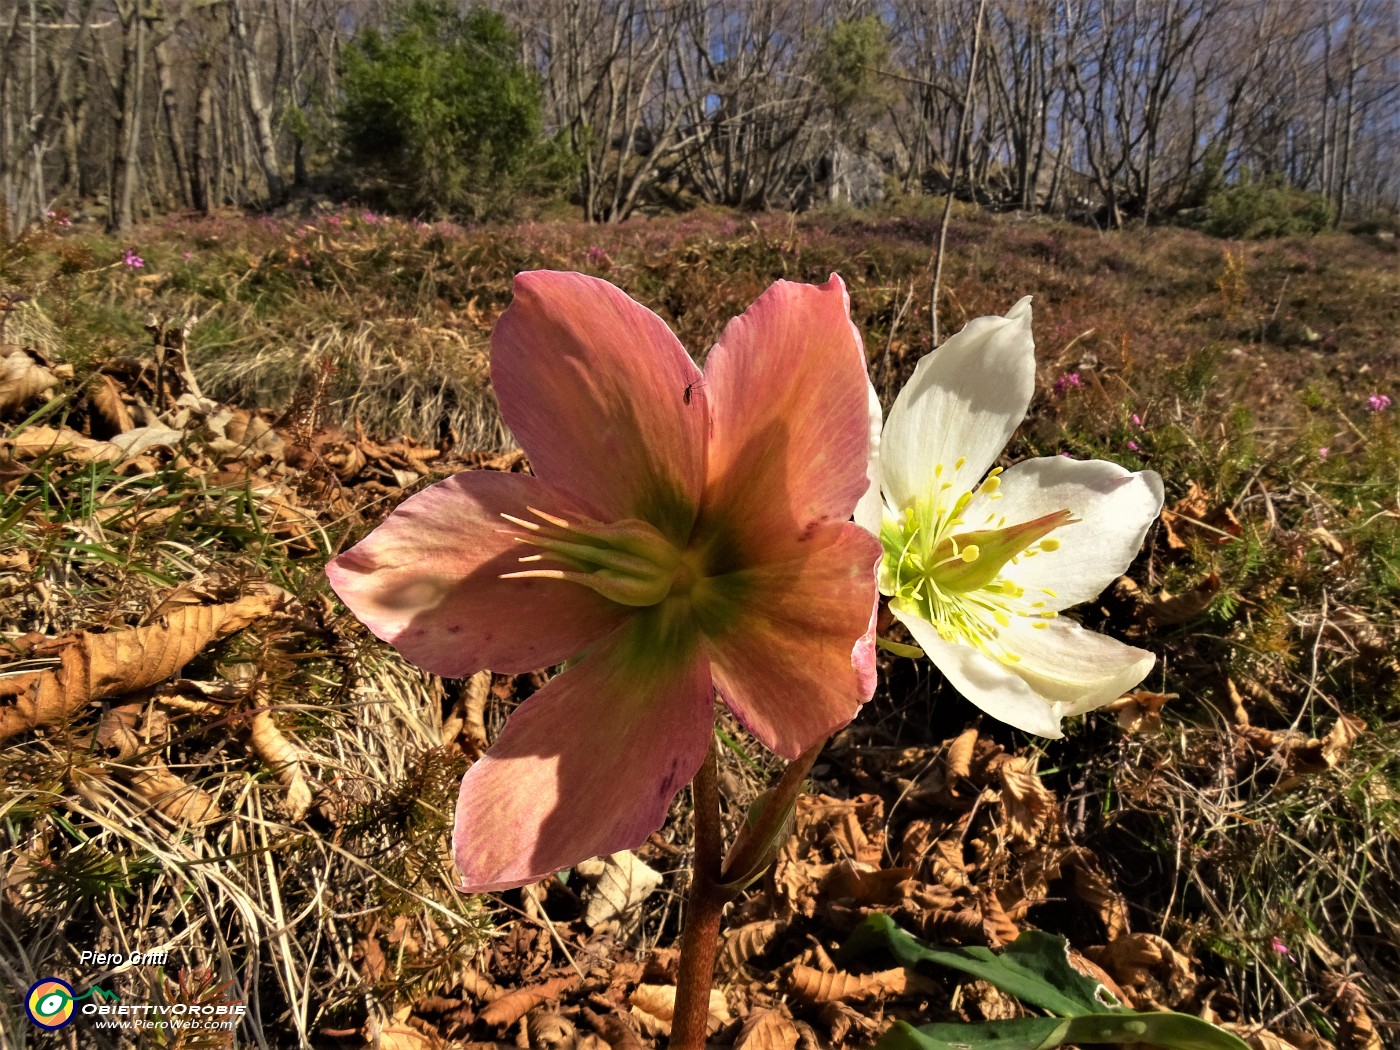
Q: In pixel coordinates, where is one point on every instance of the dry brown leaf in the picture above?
(767, 1030)
(1336, 745)
(285, 758)
(95, 666)
(1168, 609)
(104, 395)
(1147, 967)
(479, 985)
(399, 1036)
(1358, 1029)
(959, 757)
(863, 884)
(743, 943)
(22, 379)
(615, 1029)
(1026, 801)
(507, 1009)
(1095, 888)
(1299, 754)
(842, 1020)
(621, 883)
(1139, 711)
(653, 1005)
(1193, 515)
(35, 441)
(116, 731)
(1262, 1040)
(172, 796)
(816, 986)
(468, 716)
(15, 561)
(548, 1030)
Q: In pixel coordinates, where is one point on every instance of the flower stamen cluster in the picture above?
(953, 578)
(629, 561)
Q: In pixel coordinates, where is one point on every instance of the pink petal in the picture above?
(799, 660)
(603, 398)
(589, 764)
(426, 581)
(789, 396)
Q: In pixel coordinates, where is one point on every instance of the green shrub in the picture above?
(1268, 208)
(439, 108)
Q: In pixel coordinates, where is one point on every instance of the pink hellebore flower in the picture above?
(683, 533)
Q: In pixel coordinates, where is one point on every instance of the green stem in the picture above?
(704, 909)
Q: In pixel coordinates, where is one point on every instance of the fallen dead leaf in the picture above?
(1139, 711)
(816, 987)
(284, 758)
(94, 666)
(621, 883)
(104, 395)
(1262, 1040)
(22, 378)
(549, 1030)
(403, 1037)
(176, 798)
(1025, 800)
(767, 1030)
(654, 1005)
(1169, 609)
(743, 943)
(959, 757)
(507, 1009)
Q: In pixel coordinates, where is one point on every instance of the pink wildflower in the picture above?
(596, 255)
(133, 260)
(1137, 420)
(685, 532)
(1134, 446)
(1378, 402)
(1277, 945)
(370, 218)
(1066, 381)
(1322, 452)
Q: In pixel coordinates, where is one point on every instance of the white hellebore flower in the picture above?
(979, 563)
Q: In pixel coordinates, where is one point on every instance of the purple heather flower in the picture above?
(1378, 402)
(133, 260)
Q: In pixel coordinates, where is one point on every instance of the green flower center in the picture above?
(949, 571)
(629, 562)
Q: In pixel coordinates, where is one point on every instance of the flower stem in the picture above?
(704, 909)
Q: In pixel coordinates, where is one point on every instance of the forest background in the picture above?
(1108, 110)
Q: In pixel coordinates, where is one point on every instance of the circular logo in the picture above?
(50, 1003)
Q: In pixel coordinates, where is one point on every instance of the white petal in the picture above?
(964, 401)
(1114, 508)
(988, 684)
(870, 509)
(1078, 668)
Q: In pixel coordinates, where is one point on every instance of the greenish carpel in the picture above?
(632, 563)
(952, 576)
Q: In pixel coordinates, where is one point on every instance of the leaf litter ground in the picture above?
(203, 752)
